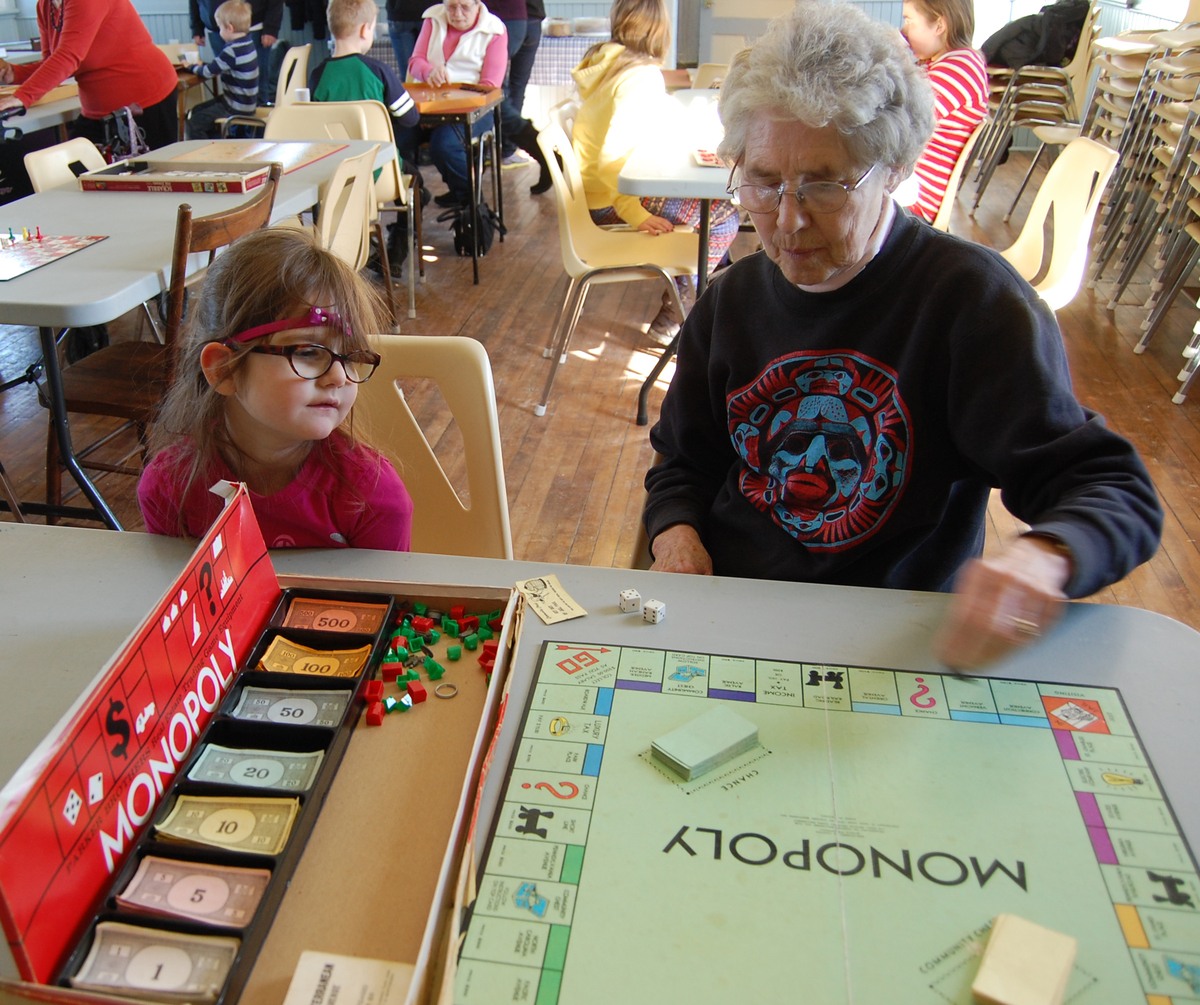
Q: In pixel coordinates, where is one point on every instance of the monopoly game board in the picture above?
(858, 854)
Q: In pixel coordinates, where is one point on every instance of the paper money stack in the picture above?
(156, 965)
(292, 708)
(196, 891)
(260, 769)
(285, 656)
(261, 826)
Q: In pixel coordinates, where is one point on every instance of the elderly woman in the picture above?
(462, 42)
(845, 399)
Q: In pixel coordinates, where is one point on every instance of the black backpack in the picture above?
(1048, 38)
(461, 224)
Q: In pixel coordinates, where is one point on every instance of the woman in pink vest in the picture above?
(461, 42)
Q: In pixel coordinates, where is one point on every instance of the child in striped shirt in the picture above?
(939, 34)
(236, 65)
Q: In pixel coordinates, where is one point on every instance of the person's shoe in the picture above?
(449, 200)
(397, 249)
(517, 159)
(666, 323)
(526, 139)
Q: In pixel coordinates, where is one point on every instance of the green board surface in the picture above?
(858, 854)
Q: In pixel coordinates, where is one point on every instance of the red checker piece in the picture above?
(390, 671)
(457, 612)
(468, 625)
(373, 691)
(375, 714)
(422, 624)
(417, 690)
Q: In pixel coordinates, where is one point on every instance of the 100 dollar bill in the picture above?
(253, 825)
(156, 965)
(260, 769)
(293, 708)
(209, 894)
(285, 656)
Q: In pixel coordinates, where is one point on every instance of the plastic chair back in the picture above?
(563, 115)
(942, 220)
(709, 75)
(317, 120)
(441, 523)
(293, 73)
(1071, 191)
(346, 208)
(585, 246)
(51, 166)
(389, 186)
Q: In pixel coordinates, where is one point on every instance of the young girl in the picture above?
(939, 34)
(623, 94)
(267, 371)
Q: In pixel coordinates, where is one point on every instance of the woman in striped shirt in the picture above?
(939, 34)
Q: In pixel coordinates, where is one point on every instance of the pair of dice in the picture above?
(653, 611)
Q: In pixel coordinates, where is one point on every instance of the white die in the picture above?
(631, 601)
(654, 611)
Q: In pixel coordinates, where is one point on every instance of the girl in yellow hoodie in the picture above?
(622, 91)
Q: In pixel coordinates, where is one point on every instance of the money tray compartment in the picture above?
(227, 731)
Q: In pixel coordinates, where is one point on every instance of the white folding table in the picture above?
(132, 265)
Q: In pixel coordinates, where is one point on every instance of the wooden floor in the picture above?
(574, 476)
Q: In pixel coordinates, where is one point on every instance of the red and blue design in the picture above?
(826, 441)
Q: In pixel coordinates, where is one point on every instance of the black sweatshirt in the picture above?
(851, 437)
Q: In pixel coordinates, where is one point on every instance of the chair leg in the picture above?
(412, 260)
(415, 210)
(1028, 174)
(10, 497)
(559, 351)
(562, 306)
(53, 473)
(385, 268)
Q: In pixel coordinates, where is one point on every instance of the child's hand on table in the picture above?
(6, 72)
(10, 102)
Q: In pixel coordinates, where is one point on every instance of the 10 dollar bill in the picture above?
(253, 825)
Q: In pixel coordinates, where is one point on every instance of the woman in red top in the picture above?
(106, 47)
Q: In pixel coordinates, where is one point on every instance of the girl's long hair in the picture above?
(643, 27)
(265, 276)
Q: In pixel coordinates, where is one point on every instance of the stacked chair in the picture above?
(1034, 96)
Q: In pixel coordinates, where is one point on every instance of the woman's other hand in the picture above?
(10, 102)
(656, 225)
(438, 76)
(679, 549)
(6, 72)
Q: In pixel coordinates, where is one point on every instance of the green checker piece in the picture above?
(432, 636)
(392, 657)
(471, 641)
(437, 672)
(485, 633)
(454, 653)
(430, 663)
(419, 609)
(493, 616)
(409, 675)
(450, 627)
(389, 704)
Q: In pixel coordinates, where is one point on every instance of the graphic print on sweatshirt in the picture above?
(825, 440)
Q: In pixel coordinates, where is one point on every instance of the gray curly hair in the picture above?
(831, 64)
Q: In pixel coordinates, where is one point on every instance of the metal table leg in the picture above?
(474, 210)
(58, 416)
(498, 154)
(702, 265)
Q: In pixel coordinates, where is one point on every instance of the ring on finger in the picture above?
(1026, 627)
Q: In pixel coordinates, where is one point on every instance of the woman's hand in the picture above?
(656, 225)
(438, 76)
(6, 72)
(1001, 604)
(12, 101)
(679, 549)
(199, 40)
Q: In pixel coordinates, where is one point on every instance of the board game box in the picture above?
(291, 155)
(858, 853)
(175, 176)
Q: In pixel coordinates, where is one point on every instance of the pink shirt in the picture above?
(319, 509)
(495, 59)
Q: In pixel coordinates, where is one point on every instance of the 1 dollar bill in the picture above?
(156, 965)
(254, 825)
(260, 769)
(285, 656)
(208, 894)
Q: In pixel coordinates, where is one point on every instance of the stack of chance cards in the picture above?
(707, 741)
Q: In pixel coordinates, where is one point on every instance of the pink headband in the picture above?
(317, 317)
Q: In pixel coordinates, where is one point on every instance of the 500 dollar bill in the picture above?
(254, 825)
(335, 615)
